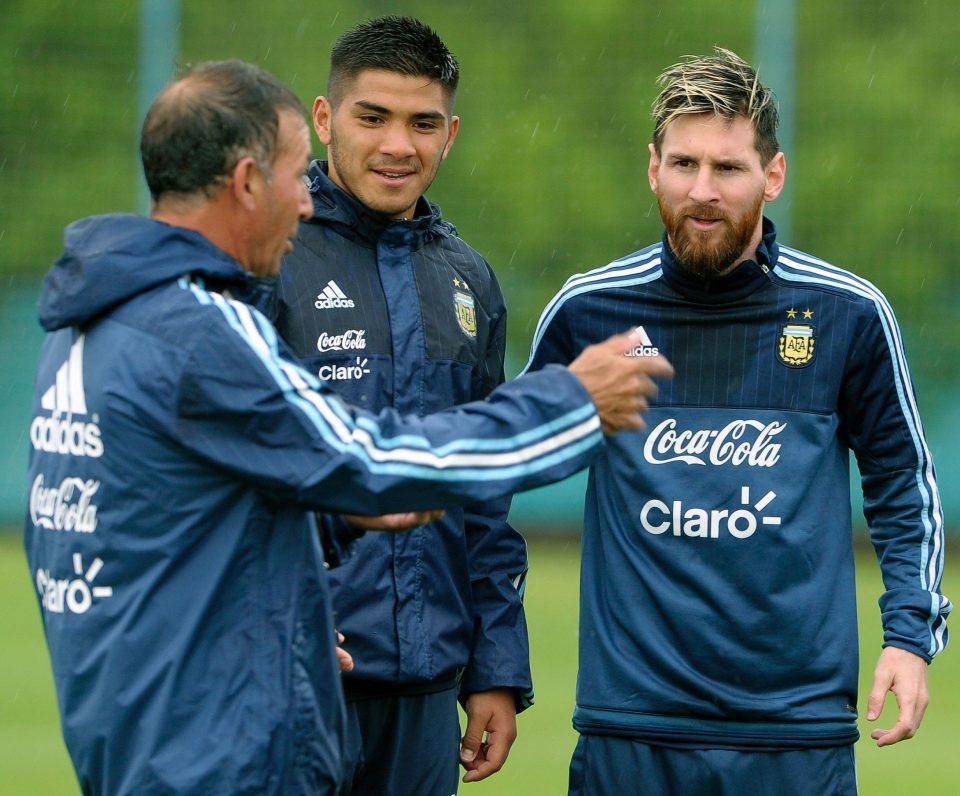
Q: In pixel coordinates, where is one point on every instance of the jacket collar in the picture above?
(332, 205)
(748, 276)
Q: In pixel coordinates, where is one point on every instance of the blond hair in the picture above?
(724, 85)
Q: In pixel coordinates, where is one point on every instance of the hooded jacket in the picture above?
(177, 451)
(405, 314)
(726, 529)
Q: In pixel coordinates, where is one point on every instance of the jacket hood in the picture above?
(107, 260)
(354, 220)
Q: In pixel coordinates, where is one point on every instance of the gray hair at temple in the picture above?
(724, 85)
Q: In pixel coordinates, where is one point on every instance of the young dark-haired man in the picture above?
(384, 301)
(718, 631)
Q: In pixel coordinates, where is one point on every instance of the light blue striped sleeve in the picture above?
(252, 409)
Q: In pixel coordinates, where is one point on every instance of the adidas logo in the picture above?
(332, 298)
(61, 433)
(646, 347)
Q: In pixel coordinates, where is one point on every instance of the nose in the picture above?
(704, 189)
(397, 142)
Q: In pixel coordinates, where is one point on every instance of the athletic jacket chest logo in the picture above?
(797, 343)
(66, 430)
(332, 297)
(464, 307)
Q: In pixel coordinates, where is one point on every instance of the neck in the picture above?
(208, 217)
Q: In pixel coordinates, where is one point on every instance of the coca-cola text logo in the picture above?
(66, 507)
(748, 442)
(350, 340)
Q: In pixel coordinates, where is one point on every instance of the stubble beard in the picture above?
(700, 253)
(385, 207)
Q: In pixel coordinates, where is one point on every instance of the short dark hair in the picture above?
(722, 84)
(204, 122)
(394, 44)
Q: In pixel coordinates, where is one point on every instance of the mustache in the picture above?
(386, 165)
(704, 211)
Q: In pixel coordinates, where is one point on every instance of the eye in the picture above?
(370, 118)
(426, 126)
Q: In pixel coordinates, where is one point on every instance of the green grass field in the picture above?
(33, 760)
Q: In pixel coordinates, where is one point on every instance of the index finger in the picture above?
(653, 365)
(899, 732)
(637, 345)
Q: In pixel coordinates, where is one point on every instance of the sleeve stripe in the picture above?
(531, 451)
(637, 269)
(795, 266)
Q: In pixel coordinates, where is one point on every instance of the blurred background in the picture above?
(548, 175)
(547, 178)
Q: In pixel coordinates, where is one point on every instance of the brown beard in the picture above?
(696, 253)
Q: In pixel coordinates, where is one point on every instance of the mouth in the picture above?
(704, 223)
(395, 176)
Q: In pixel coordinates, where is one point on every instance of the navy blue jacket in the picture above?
(404, 314)
(718, 595)
(177, 451)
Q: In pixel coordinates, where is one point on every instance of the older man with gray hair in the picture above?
(185, 604)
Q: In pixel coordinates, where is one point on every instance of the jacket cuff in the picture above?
(523, 695)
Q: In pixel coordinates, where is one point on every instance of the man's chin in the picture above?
(703, 263)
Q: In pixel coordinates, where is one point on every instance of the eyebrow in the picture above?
(675, 156)
(372, 106)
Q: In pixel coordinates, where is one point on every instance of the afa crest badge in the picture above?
(796, 345)
(464, 306)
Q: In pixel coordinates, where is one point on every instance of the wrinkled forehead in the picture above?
(293, 135)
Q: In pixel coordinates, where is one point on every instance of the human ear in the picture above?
(322, 116)
(454, 128)
(776, 173)
(243, 182)
(653, 168)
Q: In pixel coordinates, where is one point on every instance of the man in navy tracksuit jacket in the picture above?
(413, 318)
(718, 631)
(177, 450)
(383, 301)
